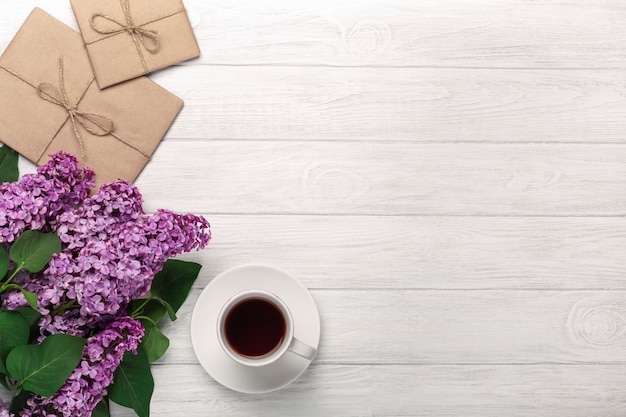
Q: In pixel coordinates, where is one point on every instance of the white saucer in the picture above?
(204, 328)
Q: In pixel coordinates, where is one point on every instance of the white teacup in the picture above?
(256, 328)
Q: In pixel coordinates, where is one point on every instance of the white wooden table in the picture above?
(447, 177)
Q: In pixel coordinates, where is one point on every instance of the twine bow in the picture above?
(93, 123)
(149, 39)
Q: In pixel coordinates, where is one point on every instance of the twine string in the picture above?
(94, 123)
(149, 39)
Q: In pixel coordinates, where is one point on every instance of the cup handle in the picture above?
(302, 349)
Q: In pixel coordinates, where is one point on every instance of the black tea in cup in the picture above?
(255, 327)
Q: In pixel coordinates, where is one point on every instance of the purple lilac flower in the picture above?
(69, 322)
(36, 200)
(98, 218)
(106, 275)
(13, 299)
(111, 252)
(87, 385)
(72, 184)
(108, 262)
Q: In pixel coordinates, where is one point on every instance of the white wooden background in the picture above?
(448, 177)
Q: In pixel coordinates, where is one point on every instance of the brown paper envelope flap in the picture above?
(26, 133)
(42, 117)
(107, 156)
(113, 62)
(46, 39)
(141, 110)
(142, 12)
(152, 10)
(118, 59)
(150, 35)
(177, 43)
(139, 128)
(35, 50)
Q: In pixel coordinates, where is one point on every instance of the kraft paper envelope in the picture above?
(129, 38)
(50, 102)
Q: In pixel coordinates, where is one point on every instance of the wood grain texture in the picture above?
(425, 391)
(455, 327)
(447, 176)
(398, 104)
(399, 252)
(457, 33)
(386, 179)
(405, 103)
(454, 33)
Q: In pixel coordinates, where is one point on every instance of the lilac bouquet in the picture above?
(84, 281)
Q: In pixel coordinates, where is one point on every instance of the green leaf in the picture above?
(4, 261)
(168, 308)
(31, 298)
(154, 343)
(152, 308)
(33, 249)
(102, 409)
(43, 368)
(14, 331)
(9, 171)
(31, 316)
(133, 383)
(174, 282)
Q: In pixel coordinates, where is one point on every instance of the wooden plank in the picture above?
(527, 34)
(412, 104)
(454, 327)
(431, 252)
(398, 104)
(253, 177)
(502, 34)
(428, 391)
(415, 252)
(423, 252)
